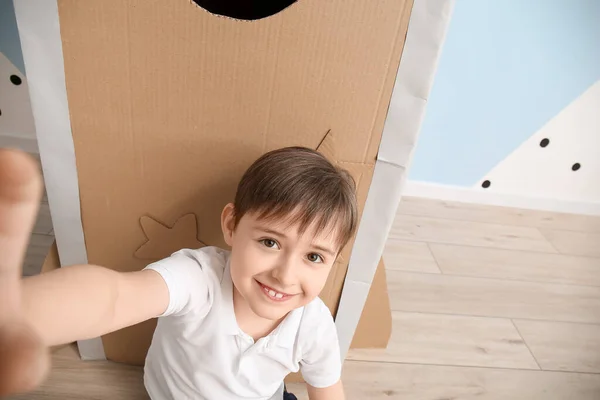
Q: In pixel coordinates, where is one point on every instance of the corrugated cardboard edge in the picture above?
(39, 31)
(426, 33)
(375, 325)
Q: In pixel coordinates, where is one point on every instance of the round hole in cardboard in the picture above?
(244, 9)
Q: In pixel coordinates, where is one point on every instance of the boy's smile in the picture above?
(275, 269)
(274, 294)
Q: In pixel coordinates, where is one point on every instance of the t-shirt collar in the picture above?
(229, 323)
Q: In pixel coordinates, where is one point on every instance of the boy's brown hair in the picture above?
(299, 185)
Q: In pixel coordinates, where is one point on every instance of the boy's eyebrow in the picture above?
(324, 249)
(271, 231)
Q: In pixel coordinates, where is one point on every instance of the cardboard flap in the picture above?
(375, 326)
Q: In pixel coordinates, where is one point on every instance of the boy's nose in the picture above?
(284, 274)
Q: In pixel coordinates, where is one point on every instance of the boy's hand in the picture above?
(24, 359)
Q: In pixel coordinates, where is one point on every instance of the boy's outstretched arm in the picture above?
(86, 301)
(62, 306)
(335, 392)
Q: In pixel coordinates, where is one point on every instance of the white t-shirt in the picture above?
(199, 352)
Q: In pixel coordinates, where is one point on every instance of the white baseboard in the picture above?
(481, 196)
(28, 145)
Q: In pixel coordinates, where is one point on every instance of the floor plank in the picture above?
(452, 340)
(517, 265)
(446, 294)
(43, 223)
(562, 346)
(497, 215)
(38, 248)
(73, 379)
(575, 243)
(432, 230)
(388, 381)
(401, 255)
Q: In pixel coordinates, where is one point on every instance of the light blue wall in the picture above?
(10, 45)
(507, 67)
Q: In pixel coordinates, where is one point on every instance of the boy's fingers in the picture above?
(20, 191)
(23, 356)
(24, 360)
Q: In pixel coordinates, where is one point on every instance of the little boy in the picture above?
(232, 324)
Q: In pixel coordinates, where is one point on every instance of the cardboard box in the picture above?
(156, 108)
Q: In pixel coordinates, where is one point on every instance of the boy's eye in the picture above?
(314, 258)
(270, 243)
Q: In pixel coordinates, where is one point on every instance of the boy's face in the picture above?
(273, 267)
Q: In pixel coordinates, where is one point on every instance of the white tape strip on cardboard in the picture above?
(426, 32)
(39, 31)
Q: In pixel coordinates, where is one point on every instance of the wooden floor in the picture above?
(41, 238)
(488, 303)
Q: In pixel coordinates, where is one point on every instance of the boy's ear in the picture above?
(228, 223)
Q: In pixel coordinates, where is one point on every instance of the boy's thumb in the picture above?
(24, 359)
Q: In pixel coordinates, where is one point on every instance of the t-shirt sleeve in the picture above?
(187, 281)
(321, 364)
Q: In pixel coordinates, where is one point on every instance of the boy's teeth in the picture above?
(273, 293)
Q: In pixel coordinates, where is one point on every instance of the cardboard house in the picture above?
(148, 112)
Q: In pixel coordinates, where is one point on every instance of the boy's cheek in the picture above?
(243, 250)
(313, 285)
